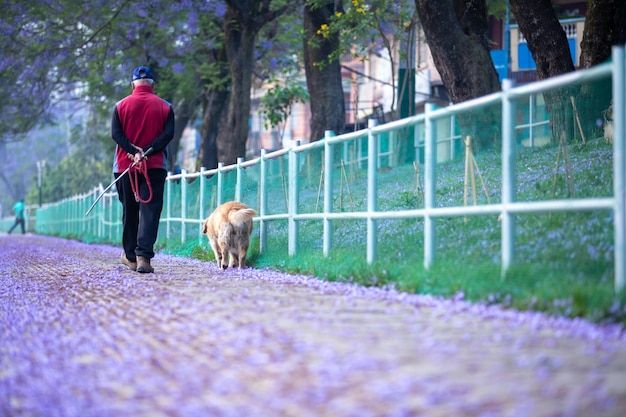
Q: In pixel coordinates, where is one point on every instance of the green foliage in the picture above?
(276, 103)
(364, 26)
(497, 8)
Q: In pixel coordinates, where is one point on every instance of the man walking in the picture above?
(142, 127)
(18, 208)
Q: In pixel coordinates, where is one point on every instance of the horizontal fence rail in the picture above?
(190, 197)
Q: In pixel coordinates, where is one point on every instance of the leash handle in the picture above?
(140, 168)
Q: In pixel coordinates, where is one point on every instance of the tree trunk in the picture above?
(546, 38)
(605, 26)
(242, 23)
(456, 33)
(183, 114)
(548, 44)
(240, 39)
(323, 82)
(214, 116)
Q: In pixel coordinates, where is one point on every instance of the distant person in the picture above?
(18, 208)
(141, 121)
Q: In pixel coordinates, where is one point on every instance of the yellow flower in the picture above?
(407, 24)
(338, 14)
(359, 10)
(324, 30)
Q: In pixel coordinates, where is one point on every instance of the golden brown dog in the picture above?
(228, 229)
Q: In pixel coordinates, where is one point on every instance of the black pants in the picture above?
(20, 222)
(141, 220)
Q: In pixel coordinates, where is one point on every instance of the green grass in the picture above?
(564, 261)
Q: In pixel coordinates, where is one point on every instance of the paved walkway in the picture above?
(82, 336)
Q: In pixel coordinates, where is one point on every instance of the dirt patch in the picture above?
(83, 336)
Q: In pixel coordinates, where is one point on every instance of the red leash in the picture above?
(133, 176)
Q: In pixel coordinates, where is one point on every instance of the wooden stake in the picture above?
(319, 190)
(345, 175)
(556, 170)
(568, 168)
(418, 182)
(482, 181)
(577, 119)
(471, 168)
(472, 172)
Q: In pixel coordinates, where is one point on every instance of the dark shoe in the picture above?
(143, 265)
(130, 264)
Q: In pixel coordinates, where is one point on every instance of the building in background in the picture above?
(510, 52)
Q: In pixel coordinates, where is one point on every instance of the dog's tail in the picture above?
(241, 217)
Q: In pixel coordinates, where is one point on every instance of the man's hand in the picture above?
(137, 157)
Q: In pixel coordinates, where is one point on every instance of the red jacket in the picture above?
(145, 120)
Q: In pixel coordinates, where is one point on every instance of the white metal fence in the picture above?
(105, 222)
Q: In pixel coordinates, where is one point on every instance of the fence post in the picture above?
(372, 190)
(112, 227)
(71, 207)
(183, 206)
(452, 123)
(293, 185)
(168, 208)
(508, 176)
(328, 192)
(201, 203)
(430, 185)
(102, 215)
(107, 213)
(238, 185)
(104, 224)
(69, 228)
(92, 226)
(531, 120)
(263, 202)
(220, 180)
(619, 166)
